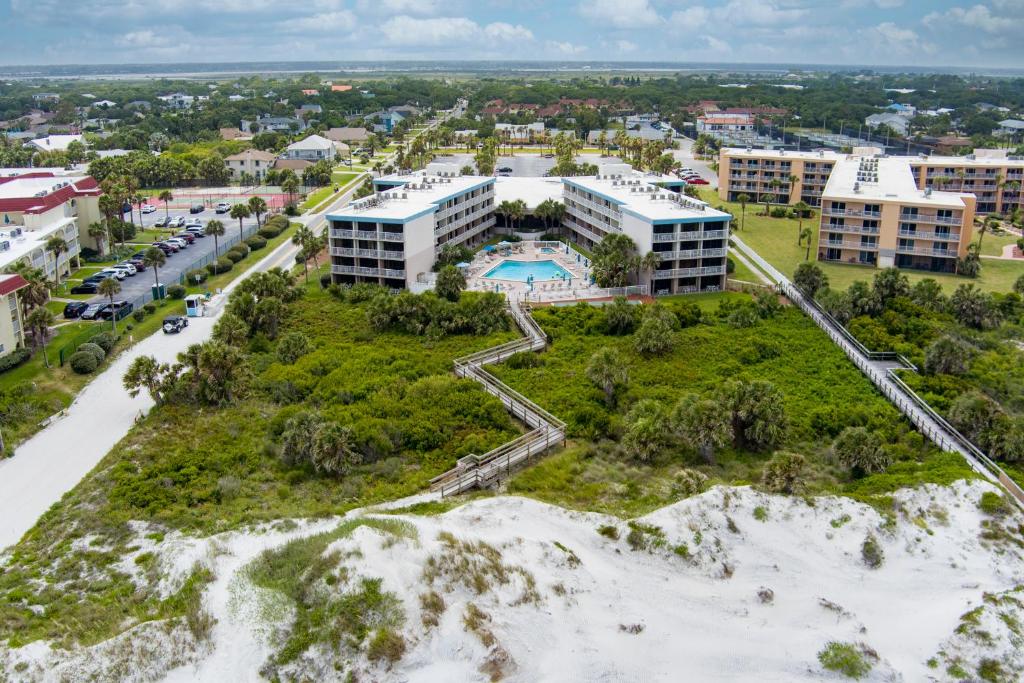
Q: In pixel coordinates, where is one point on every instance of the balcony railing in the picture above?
(945, 236)
(688, 272)
(463, 236)
(855, 213)
(927, 251)
(605, 222)
(361, 270)
(583, 230)
(926, 218)
(461, 221)
(854, 229)
(849, 244)
(368, 253)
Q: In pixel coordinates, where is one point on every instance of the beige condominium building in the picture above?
(991, 175)
(12, 334)
(874, 214)
(994, 177)
(790, 177)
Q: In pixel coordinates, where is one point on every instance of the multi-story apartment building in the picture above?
(37, 205)
(873, 214)
(690, 236)
(393, 237)
(790, 177)
(992, 176)
(12, 333)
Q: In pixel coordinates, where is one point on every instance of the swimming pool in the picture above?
(521, 270)
(547, 250)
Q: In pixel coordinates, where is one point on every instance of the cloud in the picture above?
(625, 46)
(566, 48)
(691, 17)
(405, 7)
(978, 16)
(881, 4)
(499, 30)
(759, 13)
(445, 31)
(620, 13)
(888, 36)
(342, 20)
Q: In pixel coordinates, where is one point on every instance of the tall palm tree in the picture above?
(56, 246)
(258, 206)
(39, 322)
(37, 292)
(99, 233)
(290, 185)
(241, 212)
(649, 262)
(792, 180)
(801, 208)
(303, 239)
(166, 196)
(110, 288)
(215, 229)
(154, 258)
(743, 199)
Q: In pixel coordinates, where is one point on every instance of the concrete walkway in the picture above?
(53, 461)
(879, 367)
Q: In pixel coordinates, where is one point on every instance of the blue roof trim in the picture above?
(616, 202)
(406, 219)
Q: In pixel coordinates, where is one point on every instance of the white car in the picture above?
(128, 267)
(193, 223)
(223, 207)
(148, 208)
(118, 273)
(176, 222)
(178, 242)
(196, 230)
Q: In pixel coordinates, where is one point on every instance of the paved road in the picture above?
(53, 461)
(685, 156)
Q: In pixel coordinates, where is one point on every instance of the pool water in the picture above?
(520, 270)
(547, 250)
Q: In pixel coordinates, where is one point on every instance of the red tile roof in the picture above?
(83, 187)
(11, 283)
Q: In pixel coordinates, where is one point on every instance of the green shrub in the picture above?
(609, 531)
(233, 256)
(14, 359)
(386, 645)
(844, 658)
(196, 277)
(522, 360)
(138, 315)
(149, 308)
(105, 340)
(241, 248)
(83, 362)
(255, 243)
(991, 503)
(94, 349)
(268, 233)
(871, 552)
(176, 292)
(222, 265)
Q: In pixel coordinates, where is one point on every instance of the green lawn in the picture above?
(775, 239)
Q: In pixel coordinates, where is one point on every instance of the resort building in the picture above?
(255, 162)
(991, 175)
(12, 333)
(690, 236)
(394, 236)
(35, 206)
(874, 214)
(790, 177)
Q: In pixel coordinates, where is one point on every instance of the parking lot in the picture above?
(201, 250)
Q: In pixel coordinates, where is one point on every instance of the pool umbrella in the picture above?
(462, 264)
(489, 247)
(504, 244)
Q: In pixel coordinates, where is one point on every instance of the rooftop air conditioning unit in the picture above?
(856, 187)
(928, 192)
(405, 196)
(5, 245)
(12, 233)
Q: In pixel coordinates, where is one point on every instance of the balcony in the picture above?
(583, 230)
(609, 211)
(924, 218)
(461, 221)
(927, 251)
(688, 272)
(849, 244)
(361, 270)
(853, 229)
(462, 237)
(854, 213)
(368, 253)
(604, 222)
(944, 236)
(340, 233)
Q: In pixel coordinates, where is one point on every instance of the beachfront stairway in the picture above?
(546, 430)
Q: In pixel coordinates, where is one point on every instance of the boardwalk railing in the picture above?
(873, 364)
(546, 430)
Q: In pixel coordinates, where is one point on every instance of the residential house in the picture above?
(273, 124)
(1011, 127)
(348, 135)
(721, 122)
(338, 87)
(12, 334)
(895, 121)
(313, 148)
(255, 162)
(233, 134)
(297, 165)
(55, 143)
(46, 97)
(309, 92)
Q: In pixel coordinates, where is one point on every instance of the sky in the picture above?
(882, 32)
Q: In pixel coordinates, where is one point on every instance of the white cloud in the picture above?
(499, 30)
(443, 31)
(625, 46)
(406, 7)
(143, 39)
(620, 13)
(691, 17)
(759, 13)
(342, 20)
(892, 38)
(566, 48)
(978, 16)
(881, 4)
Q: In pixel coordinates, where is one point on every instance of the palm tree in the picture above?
(767, 198)
(505, 210)
(166, 196)
(241, 212)
(39, 322)
(649, 262)
(216, 229)
(154, 258)
(801, 208)
(290, 185)
(37, 292)
(985, 226)
(607, 370)
(602, 142)
(743, 199)
(258, 206)
(56, 246)
(98, 232)
(303, 239)
(111, 288)
(806, 234)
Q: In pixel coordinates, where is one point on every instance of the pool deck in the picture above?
(549, 291)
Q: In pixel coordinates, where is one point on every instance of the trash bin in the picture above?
(159, 291)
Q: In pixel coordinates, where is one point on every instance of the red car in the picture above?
(187, 236)
(696, 181)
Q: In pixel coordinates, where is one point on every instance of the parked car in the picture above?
(505, 169)
(116, 272)
(148, 208)
(129, 266)
(193, 223)
(117, 310)
(196, 230)
(86, 288)
(176, 242)
(161, 222)
(187, 236)
(177, 222)
(139, 264)
(697, 181)
(223, 207)
(92, 311)
(74, 309)
(173, 324)
(196, 208)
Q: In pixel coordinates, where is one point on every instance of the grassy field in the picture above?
(822, 391)
(775, 239)
(397, 393)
